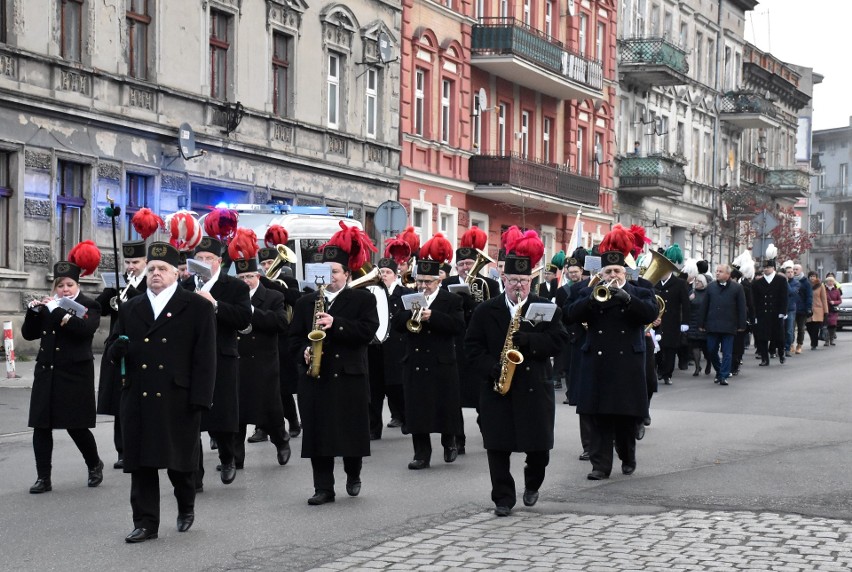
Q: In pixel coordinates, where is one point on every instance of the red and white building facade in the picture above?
(507, 117)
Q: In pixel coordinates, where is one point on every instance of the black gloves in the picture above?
(619, 295)
(521, 339)
(495, 371)
(119, 348)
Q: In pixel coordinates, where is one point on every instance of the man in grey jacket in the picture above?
(723, 314)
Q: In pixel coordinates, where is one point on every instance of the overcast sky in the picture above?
(816, 34)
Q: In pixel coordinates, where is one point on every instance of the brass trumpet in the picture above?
(132, 282)
(414, 324)
(601, 292)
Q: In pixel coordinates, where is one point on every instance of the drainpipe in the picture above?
(714, 179)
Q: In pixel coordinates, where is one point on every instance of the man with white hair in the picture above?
(722, 315)
(166, 353)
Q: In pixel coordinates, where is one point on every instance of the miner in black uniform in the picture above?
(430, 376)
(386, 358)
(63, 391)
(229, 298)
(675, 321)
(769, 293)
(260, 390)
(521, 420)
(334, 405)
(612, 381)
(166, 353)
(109, 384)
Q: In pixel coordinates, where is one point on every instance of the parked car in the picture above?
(844, 315)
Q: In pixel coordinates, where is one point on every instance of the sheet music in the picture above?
(199, 269)
(592, 263)
(72, 307)
(108, 279)
(459, 288)
(409, 299)
(540, 312)
(317, 273)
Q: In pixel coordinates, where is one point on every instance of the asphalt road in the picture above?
(777, 439)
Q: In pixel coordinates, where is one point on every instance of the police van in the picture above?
(308, 228)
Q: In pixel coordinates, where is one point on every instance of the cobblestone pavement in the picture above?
(669, 540)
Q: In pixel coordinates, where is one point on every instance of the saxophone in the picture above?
(316, 336)
(510, 357)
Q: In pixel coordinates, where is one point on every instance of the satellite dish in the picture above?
(385, 48)
(572, 8)
(186, 142)
(482, 99)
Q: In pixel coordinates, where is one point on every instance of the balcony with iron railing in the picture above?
(787, 183)
(747, 110)
(652, 61)
(510, 49)
(835, 194)
(657, 175)
(834, 241)
(751, 174)
(507, 177)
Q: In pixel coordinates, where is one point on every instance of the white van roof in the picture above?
(301, 226)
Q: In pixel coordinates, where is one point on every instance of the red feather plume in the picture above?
(275, 235)
(620, 239)
(397, 249)
(221, 223)
(147, 222)
(244, 245)
(639, 239)
(409, 236)
(85, 255)
(184, 230)
(507, 240)
(437, 248)
(474, 237)
(354, 242)
(529, 245)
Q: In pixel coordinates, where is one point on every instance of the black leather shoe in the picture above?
(353, 488)
(723, 382)
(258, 436)
(450, 454)
(781, 358)
(597, 475)
(229, 473)
(41, 486)
(119, 464)
(213, 444)
(628, 469)
(140, 535)
(418, 464)
(530, 497)
(240, 466)
(96, 474)
(502, 511)
(295, 432)
(320, 498)
(284, 455)
(375, 436)
(667, 381)
(184, 521)
(584, 456)
(764, 363)
(461, 449)
(199, 488)
(394, 423)
(640, 431)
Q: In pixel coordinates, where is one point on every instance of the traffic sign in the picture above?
(391, 218)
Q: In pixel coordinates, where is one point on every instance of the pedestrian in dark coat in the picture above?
(260, 389)
(613, 387)
(430, 376)
(63, 391)
(109, 382)
(696, 337)
(522, 420)
(230, 299)
(722, 314)
(335, 404)
(770, 310)
(166, 348)
(674, 324)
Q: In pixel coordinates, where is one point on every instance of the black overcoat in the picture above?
(109, 380)
(770, 301)
(612, 381)
(521, 420)
(170, 371)
(429, 374)
(676, 295)
(288, 372)
(576, 337)
(548, 289)
(260, 389)
(467, 383)
(334, 406)
(232, 315)
(63, 393)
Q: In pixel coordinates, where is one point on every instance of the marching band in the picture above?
(192, 348)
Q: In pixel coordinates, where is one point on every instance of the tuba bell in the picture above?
(367, 275)
(285, 256)
(659, 267)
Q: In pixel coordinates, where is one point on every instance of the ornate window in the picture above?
(137, 187)
(71, 29)
(5, 208)
(338, 30)
(420, 83)
(372, 101)
(4, 22)
(284, 21)
(282, 45)
(70, 201)
(220, 57)
(333, 92)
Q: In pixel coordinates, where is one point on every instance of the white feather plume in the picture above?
(771, 251)
(690, 267)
